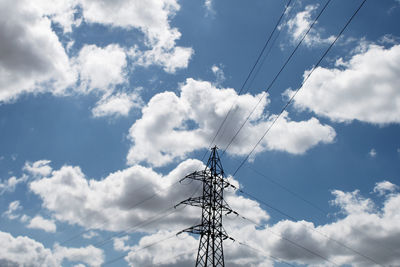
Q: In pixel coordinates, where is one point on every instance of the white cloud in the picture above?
(32, 59)
(24, 218)
(101, 68)
(175, 58)
(61, 12)
(208, 4)
(152, 18)
(117, 105)
(172, 250)
(352, 203)
(385, 187)
(38, 168)
(364, 229)
(12, 208)
(372, 153)
(113, 203)
(90, 255)
(219, 74)
(371, 230)
(119, 243)
(11, 183)
(365, 89)
(172, 126)
(299, 25)
(38, 222)
(297, 137)
(90, 234)
(24, 251)
(373, 233)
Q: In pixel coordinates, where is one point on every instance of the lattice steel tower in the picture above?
(213, 205)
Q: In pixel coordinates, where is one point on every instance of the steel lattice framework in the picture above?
(213, 205)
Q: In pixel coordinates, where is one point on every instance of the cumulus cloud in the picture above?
(38, 222)
(299, 24)
(90, 255)
(362, 233)
(32, 59)
(60, 12)
(24, 251)
(363, 88)
(13, 207)
(174, 125)
(385, 187)
(172, 249)
(128, 198)
(371, 232)
(363, 236)
(11, 183)
(117, 105)
(152, 18)
(101, 68)
(38, 168)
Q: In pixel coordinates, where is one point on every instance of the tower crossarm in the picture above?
(197, 229)
(193, 201)
(197, 175)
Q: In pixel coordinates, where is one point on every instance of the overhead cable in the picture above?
(276, 27)
(277, 75)
(298, 89)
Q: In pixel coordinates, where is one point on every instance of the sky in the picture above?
(106, 105)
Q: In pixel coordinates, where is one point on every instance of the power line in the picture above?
(383, 245)
(92, 211)
(176, 256)
(289, 191)
(250, 73)
(306, 226)
(301, 86)
(106, 221)
(277, 75)
(151, 220)
(262, 252)
(165, 213)
(292, 242)
(147, 246)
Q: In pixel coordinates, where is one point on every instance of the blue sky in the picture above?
(105, 105)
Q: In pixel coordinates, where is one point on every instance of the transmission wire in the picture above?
(291, 241)
(137, 250)
(136, 204)
(144, 223)
(265, 254)
(276, 76)
(306, 226)
(301, 86)
(250, 73)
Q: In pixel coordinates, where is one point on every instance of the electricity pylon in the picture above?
(213, 205)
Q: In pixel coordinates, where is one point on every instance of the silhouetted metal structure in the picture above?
(213, 205)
